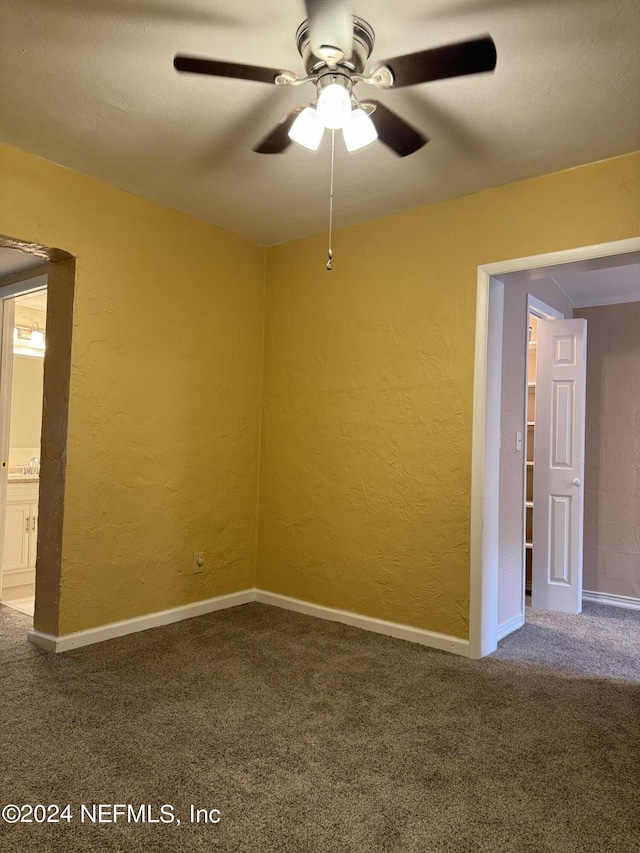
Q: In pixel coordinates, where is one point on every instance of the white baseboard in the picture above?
(615, 600)
(66, 642)
(510, 626)
(444, 642)
(140, 623)
(18, 577)
(434, 640)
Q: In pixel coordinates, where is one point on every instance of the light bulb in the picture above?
(334, 106)
(37, 339)
(307, 129)
(359, 131)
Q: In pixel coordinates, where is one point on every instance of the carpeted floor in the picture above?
(313, 736)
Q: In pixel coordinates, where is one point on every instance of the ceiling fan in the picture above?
(335, 47)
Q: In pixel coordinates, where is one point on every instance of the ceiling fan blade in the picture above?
(394, 131)
(278, 139)
(331, 29)
(217, 68)
(438, 63)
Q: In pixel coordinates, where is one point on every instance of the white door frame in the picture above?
(485, 452)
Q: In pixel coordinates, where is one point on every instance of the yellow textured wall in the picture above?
(367, 407)
(165, 394)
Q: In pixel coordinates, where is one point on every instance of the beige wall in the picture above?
(612, 465)
(26, 402)
(26, 391)
(367, 405)
(162, 455)
(366, 441)
(510, 554)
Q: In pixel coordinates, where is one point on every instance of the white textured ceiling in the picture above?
(13, 260)
(601, 286)
(90, 84)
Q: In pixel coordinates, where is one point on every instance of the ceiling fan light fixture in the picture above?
(307, 129)
(37, 339)
(359, 130)
(334, 106)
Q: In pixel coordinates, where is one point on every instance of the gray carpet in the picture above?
(313, 736)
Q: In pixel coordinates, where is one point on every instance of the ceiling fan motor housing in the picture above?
(363, 41)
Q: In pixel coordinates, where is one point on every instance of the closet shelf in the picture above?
(528, 546)
(529, 504)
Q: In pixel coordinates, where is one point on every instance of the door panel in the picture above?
(562, 405)
(558, 487)
(560, 536)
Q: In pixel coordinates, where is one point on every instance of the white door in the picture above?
(558, 479)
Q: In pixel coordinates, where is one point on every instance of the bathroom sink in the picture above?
(19, 477)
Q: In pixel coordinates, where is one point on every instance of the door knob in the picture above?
(576, 482)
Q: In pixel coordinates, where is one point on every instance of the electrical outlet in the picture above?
(198, 563)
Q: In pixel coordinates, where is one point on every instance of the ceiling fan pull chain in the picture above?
(330, 252)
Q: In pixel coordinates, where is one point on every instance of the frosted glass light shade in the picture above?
(37, 339)
(359, 131)
(334, 106)
(307, 129)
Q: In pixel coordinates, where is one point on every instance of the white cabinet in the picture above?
(20, 535)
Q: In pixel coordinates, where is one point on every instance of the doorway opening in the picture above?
(537, 312)
(486, 450)
(33, 447)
